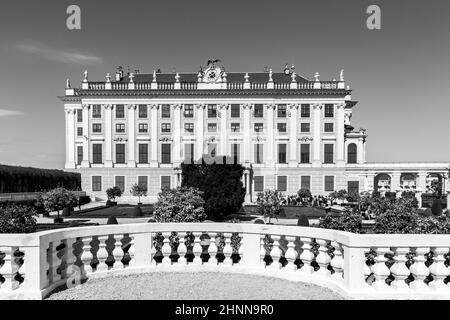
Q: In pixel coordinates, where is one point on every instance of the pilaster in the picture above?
(293, 135)
(131, 135)
(269, 155)
(108, 135)
(177, 134)
(70, 138)
(154, 135)
(317, 141)
(85, 163)
(247, 132)
(223, 129)
(340, 134)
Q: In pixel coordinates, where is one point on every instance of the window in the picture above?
(329, 183)
(259, 183)
(97, 127)
(96, 183)
(96, 111)
(235, 111)
(235, 154)
(120, 182)
(143, 182)
(120, 127)
(212, 149)
(165, 127)
(328, 153)
(120, 111)
(329, 111)
(120, 153)
(212, 127)
(143, 153)
(235, 127)
(352, 153)
(189, 127)
(143, 128)
(79, 115)
(353, 187)
(304, 153)
(259, 111)
(259, 153)
(188, 111)
(143, 113)
(165, 182)
(80, 131)
(305, 182)
(282, 127)
(212, 111)
(165, 111)
(79, 154)
(97, 153)
(305, 127)
(329, 127)
(259, 127)
(165, 153)
(305, 111)
(281, 111)
(282, 153)
(282, 183)
(189, 153)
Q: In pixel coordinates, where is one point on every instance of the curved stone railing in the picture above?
(356, 266)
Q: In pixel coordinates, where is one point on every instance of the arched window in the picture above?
(352, 153)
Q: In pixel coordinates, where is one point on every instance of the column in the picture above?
(223, 129)
(360, 154)
(395, 182)
(131, 135)
(70, 138)
(421, 186)
(199, 132)
(85, 163)
(108, 135)
(293, 135)
(177, 134)
(247, 132)
(369, 181)
(340, 134)
(269, 154)
(317, 141)
(247, 186)
(154, 135)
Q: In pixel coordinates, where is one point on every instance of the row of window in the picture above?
(119, 181)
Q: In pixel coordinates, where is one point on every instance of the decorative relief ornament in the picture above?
(71, 111)
(121, 139)
(177, 106)
(317, 106)
(200, 106)
(108, 106)
(165, 139)
(131, 106)
(271, 106)
(154, 106)
(270, 75)
(247, 106)
(211, 139)
(305, 139)
(259, 139)
(85, 106)
(340, 105)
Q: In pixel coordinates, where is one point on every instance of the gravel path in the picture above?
(194, 286)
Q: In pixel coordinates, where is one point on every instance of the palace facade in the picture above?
(288, 131)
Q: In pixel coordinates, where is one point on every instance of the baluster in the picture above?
(307, 256)
(197, 249)
(337, 262)
(275, 253)
(102, 254)
(323, 258)
(291, 253)
(438, 269)
(399, 270)
(49, 263)
(212, 249)
(240, 251)
(86, 255)
(153, 250)
(263, 251)
(166, 250)
(55, 261)
(118, 252)
(182, 249)
(227, 250)
(132, 251)
(9, 269)
(380, 270)
(419, 270)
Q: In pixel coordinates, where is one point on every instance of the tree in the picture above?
(58, 199)
(304, 194)
(180, 205)
(138, 191)
(269, 204)
(113, 193)
(219, 180)
(341, 194)
(436, 187)
(17, 219)
(399, 217)
(349, 220)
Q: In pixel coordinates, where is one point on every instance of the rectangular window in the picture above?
(165, 127)
(120, 182)
(259, 183)
(212, 127)
(143, 127)
(282, 153)
(80, 131)
(259, 153)
(212, 111)
(282, 183)
(305, 127)
(79, 115)
(259, 111)
(235, 127)
(188, 111)
(304, 153)
(259, 127)
(120, 127)
(305, 182)
(97, 153)
(143, 182)
(329, 127)
(329, 111)
(353, 187)
(165, 111)
(120, 153)
(329, 183)
(235, 110)
(165, 182)
(212, 149)
(143, 153)
(189, 127)
(235, 153)
(328, 153)
(143, 113)
(120, 111)
(96, 183)
(189, 153)
(79, 155)
(305, 111)
(165, 153)
(97, 127)
(281, 111)
(96, 111)
(282, 127)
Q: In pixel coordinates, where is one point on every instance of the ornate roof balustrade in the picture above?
(370, 266)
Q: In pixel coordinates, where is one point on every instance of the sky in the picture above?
(400, 74)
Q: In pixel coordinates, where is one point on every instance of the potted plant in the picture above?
(112, 194)
(58, 199)
(138, 191)
(269, 204)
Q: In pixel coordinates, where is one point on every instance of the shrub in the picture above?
(17, 219)
(436, 207)
(138, 191)
(180, 205)
(411, 195)
(82, 200)
(113, 193)
(112, 220)
(303, 221)
(304, 193)
(353, 196)
(269, 204)
(58, 199)
(341, 194)
(349, 220)
(259, 221)
(432, 225)
(400, 217)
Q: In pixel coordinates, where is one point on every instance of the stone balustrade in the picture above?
(356, 266)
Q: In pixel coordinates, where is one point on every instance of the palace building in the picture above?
(288, 131)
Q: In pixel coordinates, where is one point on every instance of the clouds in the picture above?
(9, 113)
(43, 51)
